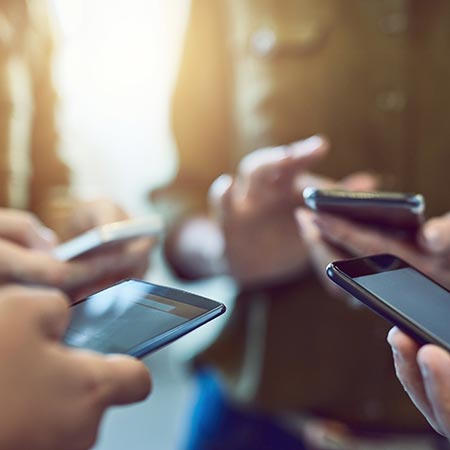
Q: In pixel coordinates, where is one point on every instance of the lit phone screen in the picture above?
(119, 318)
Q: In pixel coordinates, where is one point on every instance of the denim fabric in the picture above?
(218, 425)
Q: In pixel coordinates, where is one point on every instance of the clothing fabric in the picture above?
(32, 175)
(372, 75)
(217, 425)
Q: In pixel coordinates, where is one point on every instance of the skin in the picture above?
(25, 257)
(127, 260)
(430, 253)
(423, 371)
(54, 397)
(251, 232)
(425, 374)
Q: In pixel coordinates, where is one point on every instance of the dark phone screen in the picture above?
(121, 317)
(414, 296)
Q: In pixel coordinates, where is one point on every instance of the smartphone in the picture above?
(108, 235)
(388, 209)
(399, 293)
(136, 318)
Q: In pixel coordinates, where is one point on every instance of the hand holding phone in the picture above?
(387, 209)
(135, 318)
(109, 235)
(57, 393)
(425, 375)
(398, 292)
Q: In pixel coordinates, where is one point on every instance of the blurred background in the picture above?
(116, 66)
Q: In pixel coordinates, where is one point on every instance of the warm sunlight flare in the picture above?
(117, 62)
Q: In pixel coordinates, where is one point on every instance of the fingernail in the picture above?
(307, 146)
(48, 235)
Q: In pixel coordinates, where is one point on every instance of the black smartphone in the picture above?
(398, 292)
(136, 318)
(386, 209)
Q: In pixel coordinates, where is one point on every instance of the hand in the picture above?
(96, 271)
(320, 251)
(77, 278)
(25, 257)
(53, 397)
(89, 214)
(431, 253)
(425, 374)
(25, 229)
(25, 250)
(128, 260)
(255, 212)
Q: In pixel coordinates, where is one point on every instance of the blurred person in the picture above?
(425, 374)
(32, 175)
(294, 367)
(54, 397)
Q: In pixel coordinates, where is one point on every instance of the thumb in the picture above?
(220, 195)
(124, 379)
(435, 235)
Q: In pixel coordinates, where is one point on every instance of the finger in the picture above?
(360, 240)
(29, 266)
(306, 180)
(435, 235)
(404, 351)
(356, 239)
(92, 213)
(54, 312)
(136, 269)
(276, 168)
(220, 196)
(360, 181)
(115, 379)
(320, 253)
(94, 272)
(48, 308)
(434, 364)
(25, 229)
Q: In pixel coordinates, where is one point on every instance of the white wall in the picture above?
(116, 71)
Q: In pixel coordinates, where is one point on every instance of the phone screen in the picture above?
(409, 293)
(130, 314)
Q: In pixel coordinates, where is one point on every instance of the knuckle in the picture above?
(16, 294)
(28, 222)
(93, 386)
